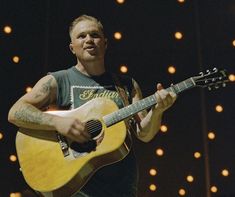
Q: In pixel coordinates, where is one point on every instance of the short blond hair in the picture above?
(84, 18)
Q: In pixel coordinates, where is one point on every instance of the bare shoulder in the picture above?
(43, 93)
(45, 85)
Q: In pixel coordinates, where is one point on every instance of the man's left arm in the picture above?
(150, 122)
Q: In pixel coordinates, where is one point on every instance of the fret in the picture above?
(149, 99)
(145, 104)
(135, 107)
(171, 89)
(182, 87)
(114, 117)
(192, 81)
(177, 86)
(188, 83)
(126, 111)
(129, 109)
(185, 84)
(139, 106)
(108, 120)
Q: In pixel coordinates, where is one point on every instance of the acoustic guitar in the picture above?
(50, 163)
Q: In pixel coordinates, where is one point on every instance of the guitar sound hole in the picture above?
(94, 127)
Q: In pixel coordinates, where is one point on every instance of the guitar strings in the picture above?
(94, 126)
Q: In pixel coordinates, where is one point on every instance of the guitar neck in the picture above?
(145, 103)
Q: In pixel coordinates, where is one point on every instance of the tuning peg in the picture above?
(224, 85)
(215, 69)
(209, 88)
(201, 73)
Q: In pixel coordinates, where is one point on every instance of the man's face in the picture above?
(87, 41)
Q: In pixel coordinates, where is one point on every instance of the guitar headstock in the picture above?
(212, 79)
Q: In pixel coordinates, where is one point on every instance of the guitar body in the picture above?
(47, 170)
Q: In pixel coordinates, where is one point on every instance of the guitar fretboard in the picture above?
(145, 103)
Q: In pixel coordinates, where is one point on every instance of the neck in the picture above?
(91, 69)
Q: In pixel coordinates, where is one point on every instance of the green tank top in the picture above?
(74, 89)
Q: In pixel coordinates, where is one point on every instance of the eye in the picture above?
(95, 35)
(81, 36)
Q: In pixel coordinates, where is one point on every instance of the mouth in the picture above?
(90, 48)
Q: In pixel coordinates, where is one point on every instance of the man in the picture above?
(75, 86)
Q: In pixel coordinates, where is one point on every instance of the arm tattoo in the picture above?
(29, 114)
(46, 87)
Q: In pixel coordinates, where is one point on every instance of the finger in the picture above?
(165, 102)
(160, 102)
(163, 95)
(167, 97)
(78, 136)
(158, 97)
(170, 100)
(159, 86)
(173, 95)
(82, 128)
(86, 134)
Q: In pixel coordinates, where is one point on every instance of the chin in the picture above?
(92, 57)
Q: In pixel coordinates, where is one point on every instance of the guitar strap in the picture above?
(121, 90)
(131, 123)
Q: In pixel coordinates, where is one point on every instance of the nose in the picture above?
(89, 38)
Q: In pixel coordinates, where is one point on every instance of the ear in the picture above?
(71, 47)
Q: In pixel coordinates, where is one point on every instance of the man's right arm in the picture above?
(27, 111)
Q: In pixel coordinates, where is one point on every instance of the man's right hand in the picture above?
(72, 128)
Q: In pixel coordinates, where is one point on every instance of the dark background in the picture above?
(40, 38)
